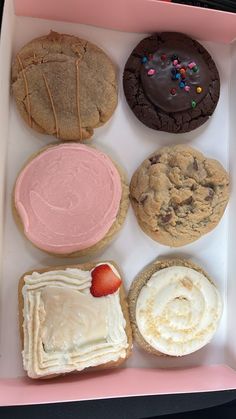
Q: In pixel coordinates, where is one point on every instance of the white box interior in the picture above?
(128, 142)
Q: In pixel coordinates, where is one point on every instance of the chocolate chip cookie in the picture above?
(171, 83)
(64, 86)
(178, 195)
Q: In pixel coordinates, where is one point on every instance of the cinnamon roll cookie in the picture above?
(64, 86)
(175, 308)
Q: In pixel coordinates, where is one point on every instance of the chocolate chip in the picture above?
(193, 187)
(175, 206)
(187, 201)
(134, 199)
(143, 199)
(155, 159)
(166, 218)
(195, 164)
(210, 195)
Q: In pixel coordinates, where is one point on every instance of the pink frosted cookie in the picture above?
(70, 199)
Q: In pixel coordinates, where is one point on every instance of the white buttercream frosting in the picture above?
(65, 327)
(178, 310)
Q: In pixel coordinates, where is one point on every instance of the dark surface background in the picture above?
(172, 406)
(182, 406)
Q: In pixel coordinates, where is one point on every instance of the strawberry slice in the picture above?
(104, 281)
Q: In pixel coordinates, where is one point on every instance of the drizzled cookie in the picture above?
(64, 86)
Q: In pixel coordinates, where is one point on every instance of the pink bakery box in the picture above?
(117, 27)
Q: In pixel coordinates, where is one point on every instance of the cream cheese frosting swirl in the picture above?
(66, 328)
(178, 310)
(68, 197)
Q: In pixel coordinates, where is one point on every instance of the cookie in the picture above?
(64, 86)
(171, 83)
(175, 308)
(64, 328)
(178, 195)
(70, 199)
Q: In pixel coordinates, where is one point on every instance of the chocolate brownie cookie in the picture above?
(64, 86)
(178, 195)
(171, 82)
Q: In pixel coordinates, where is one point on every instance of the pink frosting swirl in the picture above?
(68, 197)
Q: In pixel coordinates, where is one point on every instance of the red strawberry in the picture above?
(104, 281)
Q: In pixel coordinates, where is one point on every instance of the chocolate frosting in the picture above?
(163, 89)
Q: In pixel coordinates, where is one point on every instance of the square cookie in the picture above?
(64, 328)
